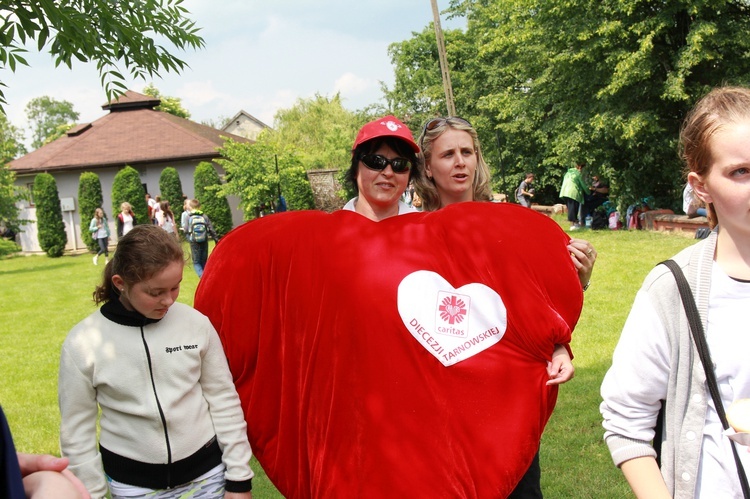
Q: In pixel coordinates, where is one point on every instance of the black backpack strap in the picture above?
(699, 337)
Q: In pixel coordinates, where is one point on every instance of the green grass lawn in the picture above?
(42, 298)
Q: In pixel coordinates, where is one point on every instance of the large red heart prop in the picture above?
(405, 358)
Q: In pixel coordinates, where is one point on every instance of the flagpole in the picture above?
(443, 61)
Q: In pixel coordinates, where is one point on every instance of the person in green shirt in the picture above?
(573, 192)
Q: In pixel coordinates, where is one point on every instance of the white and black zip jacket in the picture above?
(169, 409)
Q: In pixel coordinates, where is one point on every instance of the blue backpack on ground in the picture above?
(197, 230)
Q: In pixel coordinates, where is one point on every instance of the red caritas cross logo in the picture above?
(452, 309)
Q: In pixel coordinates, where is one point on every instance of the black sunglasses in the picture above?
(379, 163)
(434, 123)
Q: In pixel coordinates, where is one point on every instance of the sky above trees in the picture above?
(259, 56)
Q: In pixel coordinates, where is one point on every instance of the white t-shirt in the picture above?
(127, 223)
(688, 198)
(729, 343)
(403, 208)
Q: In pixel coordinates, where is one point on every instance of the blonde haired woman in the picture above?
(452, 170)
(469, 182)
(125, 219)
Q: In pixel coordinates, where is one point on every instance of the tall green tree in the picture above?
(59, 131)
(49, 118)
(171, 105)
(607, 82)
(127, 187)
(11, 146)
(10, 195)
(110, 33)
(170, 188)
(11, 140)
(214, 203)
(89, 199)
(319, 128)
(50, 225)
(252, 176)
(417, 93)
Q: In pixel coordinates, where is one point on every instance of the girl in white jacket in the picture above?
(171, 422)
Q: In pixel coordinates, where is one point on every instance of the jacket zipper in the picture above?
(161, 411)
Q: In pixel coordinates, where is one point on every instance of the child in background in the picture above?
(197, 227)
(525, 191)
(155, 215)
(165, 218)
(655, 359)
(125, 220)
(99, 228)
(171, 422)
(184, 216)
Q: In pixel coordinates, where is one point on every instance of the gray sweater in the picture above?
(630, 412)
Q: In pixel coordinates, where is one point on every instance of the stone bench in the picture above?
(659, 220)
(549, 210)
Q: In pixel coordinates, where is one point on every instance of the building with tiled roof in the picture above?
(132, 134)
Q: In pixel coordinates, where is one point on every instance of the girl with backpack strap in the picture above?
(656, 358)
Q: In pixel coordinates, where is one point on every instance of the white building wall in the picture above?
(244, 127)
(67, 187)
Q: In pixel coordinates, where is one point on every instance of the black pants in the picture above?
(530, 486)
(592, 203)
(572, 206)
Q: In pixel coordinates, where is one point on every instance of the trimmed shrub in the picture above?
(213, 203)
(89, 199)
(127, 187)
(170, 189)
(170, 186)
(51, 229)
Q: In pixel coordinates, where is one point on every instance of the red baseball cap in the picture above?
(387, 126)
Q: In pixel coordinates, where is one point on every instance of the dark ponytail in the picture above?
(140, 254)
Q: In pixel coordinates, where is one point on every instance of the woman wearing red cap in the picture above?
(384, 159)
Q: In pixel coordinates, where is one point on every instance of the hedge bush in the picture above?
(89, 199)
(170, 188)
(213, 203)
(127, 187)
(50, 226)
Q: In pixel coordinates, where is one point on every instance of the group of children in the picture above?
(153, 373)
(195, 224)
